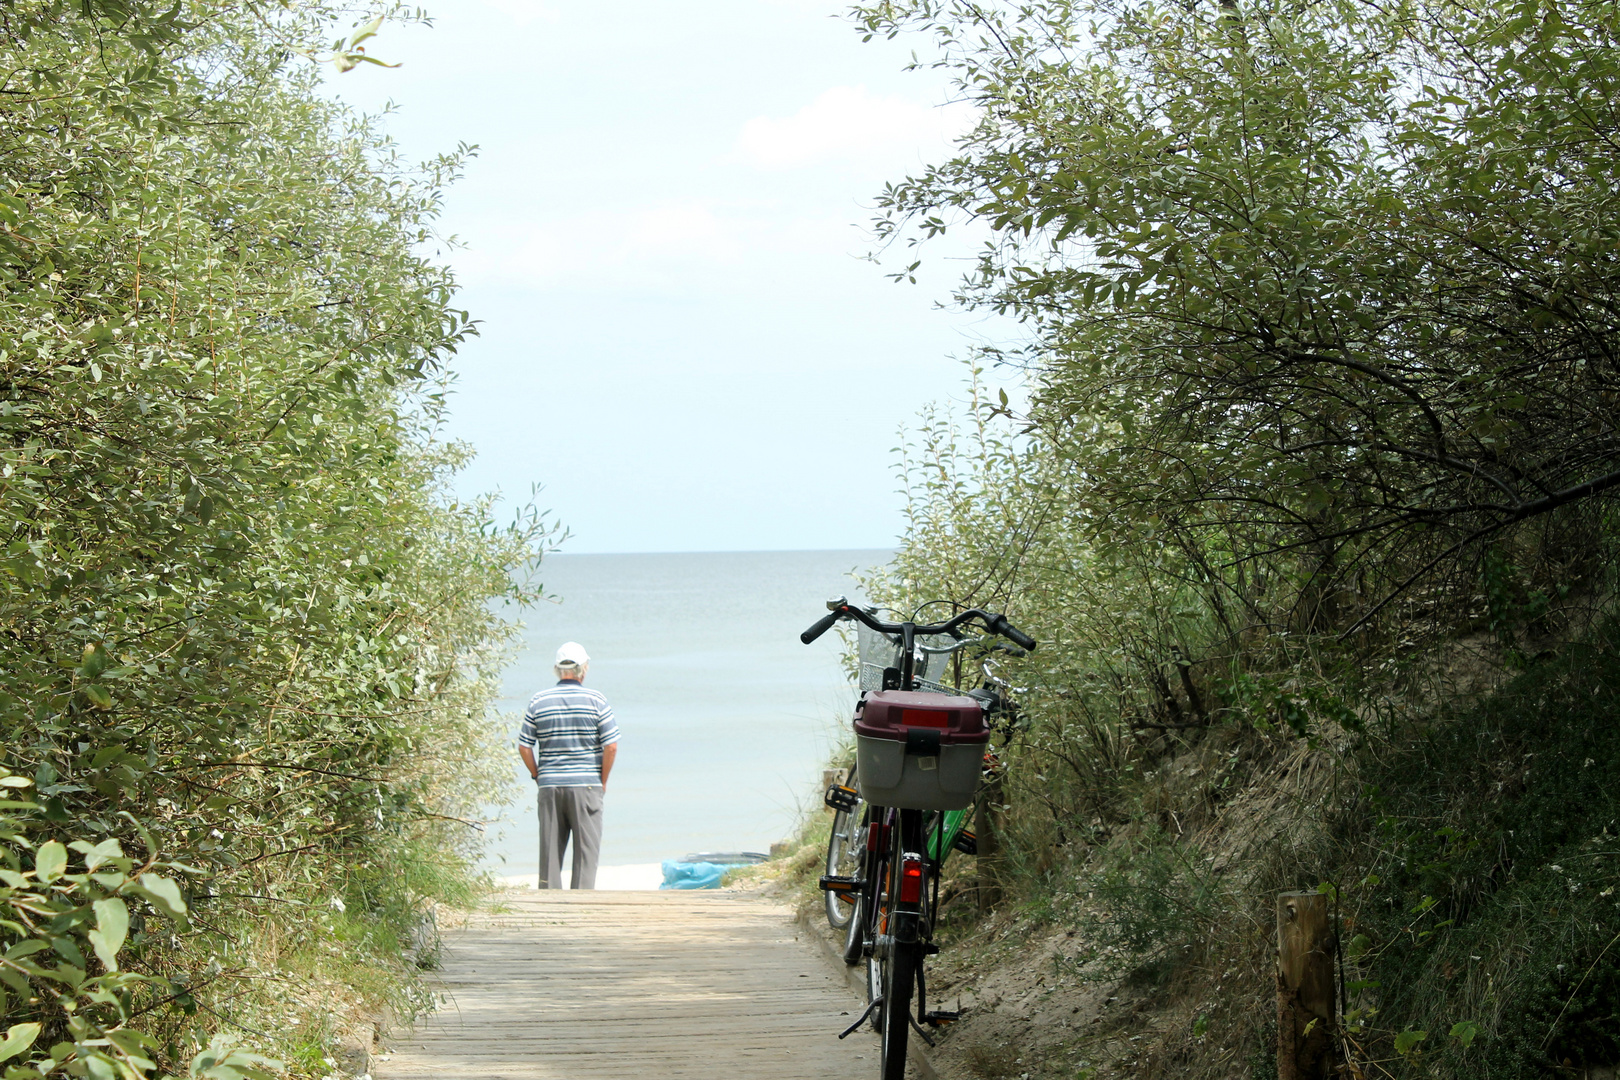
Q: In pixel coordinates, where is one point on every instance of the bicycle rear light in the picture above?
(910, 878)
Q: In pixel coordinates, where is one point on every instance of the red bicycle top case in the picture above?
(888, 713)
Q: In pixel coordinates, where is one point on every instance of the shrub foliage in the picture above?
(246, 644)
(1319, 305)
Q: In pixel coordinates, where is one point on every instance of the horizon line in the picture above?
(724, 551)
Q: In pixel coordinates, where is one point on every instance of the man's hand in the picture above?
(527, 754)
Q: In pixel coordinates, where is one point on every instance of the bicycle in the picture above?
(919, 748)
(846, 838)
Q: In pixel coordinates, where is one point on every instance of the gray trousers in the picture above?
(565, 812)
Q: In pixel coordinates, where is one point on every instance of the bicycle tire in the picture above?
(845, 848)
(900, 978)
(874, 912)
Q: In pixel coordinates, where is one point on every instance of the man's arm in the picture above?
(527, 754)
(609, 752)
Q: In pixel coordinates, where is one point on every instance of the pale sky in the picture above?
(663, 223)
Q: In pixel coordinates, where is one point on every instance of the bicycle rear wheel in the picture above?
(845, 849)
(874, 916)
(899, 978)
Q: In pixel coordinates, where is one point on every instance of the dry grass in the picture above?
(992, 1062)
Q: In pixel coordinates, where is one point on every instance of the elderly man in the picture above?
(568, 743)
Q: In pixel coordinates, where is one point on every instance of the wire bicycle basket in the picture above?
(877, 652)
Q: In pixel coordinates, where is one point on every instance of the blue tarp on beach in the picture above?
(692, 875)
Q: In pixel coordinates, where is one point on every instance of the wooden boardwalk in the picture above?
(556, 985)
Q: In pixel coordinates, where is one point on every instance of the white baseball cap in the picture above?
(572, 652)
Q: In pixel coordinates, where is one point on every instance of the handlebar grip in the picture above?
(1021, 639)
(820, 626)
(1007, 630)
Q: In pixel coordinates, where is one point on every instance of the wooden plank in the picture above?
(563, 985)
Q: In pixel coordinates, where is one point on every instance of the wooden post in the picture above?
(1306, 1044)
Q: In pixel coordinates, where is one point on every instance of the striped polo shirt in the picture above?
(567, 726)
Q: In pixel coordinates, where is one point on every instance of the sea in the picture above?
(726, 720)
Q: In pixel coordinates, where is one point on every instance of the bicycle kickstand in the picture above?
(877, 1002)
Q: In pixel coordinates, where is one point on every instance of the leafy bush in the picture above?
(1157, 895)
(1493, 890)
(246, 641)
(1317, 303)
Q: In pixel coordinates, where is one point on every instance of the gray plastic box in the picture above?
(919, 751)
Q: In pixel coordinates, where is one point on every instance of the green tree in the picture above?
(247, 649)
(1328, 290)
(1320, 305)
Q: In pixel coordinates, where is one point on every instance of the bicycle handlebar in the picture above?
(821, 626)
(1000, 625)
(996, 624)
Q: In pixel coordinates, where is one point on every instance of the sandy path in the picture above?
(634, 986)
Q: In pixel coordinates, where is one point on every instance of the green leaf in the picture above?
(112, 927)
(97, 854)
(98, 695)
(105, 755)
(95, 660)
(26, 948)
(68, 949)
(370, 29)
(17, 980)
(50, 861)
(223, 1061)
(164, 894)
(1407, 1041)
(98, 1066)
(131, 1041)
(1465, 1032)
(19, 1037)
